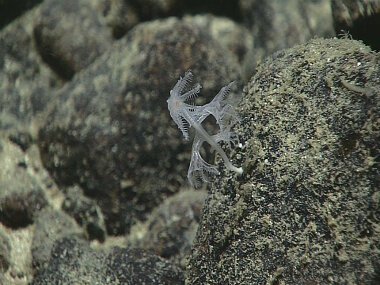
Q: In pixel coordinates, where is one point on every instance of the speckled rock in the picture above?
(5, 252)
(51, 225)
(26, 82)
(170, 230)
(276, 25)
(110, 131)
(136, 266)
(86, 212)
(233, 37)
(119, 15)
(307, 208)
(21, 196)
(69, 35)
(73, 261)
(15, 256)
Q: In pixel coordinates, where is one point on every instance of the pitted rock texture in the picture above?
(307, 207)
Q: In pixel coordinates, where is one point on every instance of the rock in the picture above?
(21, 197)
(136, 266)
(50, 226)
(307, 207)
(170, 230)
(119, 15)
(72, 260)
(276, 25)
(15, 256)
(5, 252)
(26, 83)
(86, 212)
(110, 131)
(69, 35)
(233, 37)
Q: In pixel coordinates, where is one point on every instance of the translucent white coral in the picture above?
(185, 115)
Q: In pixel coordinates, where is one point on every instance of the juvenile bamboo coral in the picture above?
(187, 115)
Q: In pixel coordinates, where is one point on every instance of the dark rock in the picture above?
(306, 209)
(170, 229)
(70, 36)
(232, 36)
(25, 82)
(21, 196)
(22, 139)
(72, 261)
(110, 131)
(5, 252)
(50, 226)
(276, 25)
(119, 15)
(86, 212)
(136, 266)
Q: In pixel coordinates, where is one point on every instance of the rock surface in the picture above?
(307, 207)
(170, 229)
(110, 132)
(69, 41)
(74, 262)
(22, 198)
(91, 164)
(86, 213)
